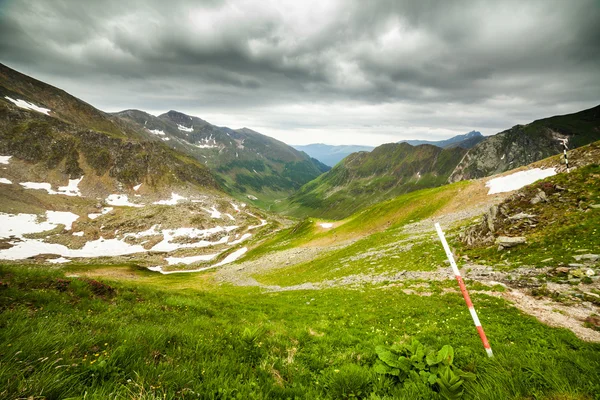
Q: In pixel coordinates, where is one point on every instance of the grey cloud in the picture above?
(240, 56)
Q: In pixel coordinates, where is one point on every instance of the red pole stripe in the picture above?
(465, 293)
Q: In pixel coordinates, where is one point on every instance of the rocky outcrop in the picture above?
(525, 144)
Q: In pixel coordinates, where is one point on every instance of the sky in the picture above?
(327, 71)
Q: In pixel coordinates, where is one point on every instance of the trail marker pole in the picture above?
(465, 293)
(565, 148)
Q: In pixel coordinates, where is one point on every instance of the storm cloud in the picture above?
(317, 71)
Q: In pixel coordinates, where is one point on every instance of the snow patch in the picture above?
(4, 159)
(175, 198)
(21, 224)
(230, 217)
(121, 200)
(192, 233)
(518, 180)
(232, 257)
(105, 210)
(137, 187)
(71, 189)
(190, 260)
(60, 260)
(326, 225)
(78, 233)
(251, 197)
(28, 106)
(214, 213)
(235, 207)
(240, 240)
(5, 181)
(157, 132)
(61, 217)
(262, 223)
(185, 128)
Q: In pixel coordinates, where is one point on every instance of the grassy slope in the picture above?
(184, 337)
(374, 228)
(147, 342)
(363, 179)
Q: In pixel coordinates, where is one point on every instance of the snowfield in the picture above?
(518, 180)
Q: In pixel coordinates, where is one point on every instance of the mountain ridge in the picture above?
(246, 162)
(525, 144)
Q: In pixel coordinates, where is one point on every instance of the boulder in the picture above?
(591, 257)
(539, 197)
(504, 242)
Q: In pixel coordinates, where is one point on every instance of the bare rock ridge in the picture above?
(525, 144)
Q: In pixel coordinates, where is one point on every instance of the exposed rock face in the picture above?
(524, 144)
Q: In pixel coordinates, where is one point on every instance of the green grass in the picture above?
(390, 214)
(377, 254)
(68, 338)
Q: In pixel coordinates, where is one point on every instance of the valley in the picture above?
(148, 256)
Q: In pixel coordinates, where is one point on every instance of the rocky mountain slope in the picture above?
(77, 183)
(52, 145)
(465, 141)
(366, 178)
(244, 161)
(329, 154)
(524, 144)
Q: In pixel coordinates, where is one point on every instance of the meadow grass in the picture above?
(74, 338)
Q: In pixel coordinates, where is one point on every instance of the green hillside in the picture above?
(366, 178)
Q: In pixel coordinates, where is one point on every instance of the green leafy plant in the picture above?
(414, 362)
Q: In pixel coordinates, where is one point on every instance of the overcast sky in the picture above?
(337, 72)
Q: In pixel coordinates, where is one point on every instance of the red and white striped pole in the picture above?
(463, 289)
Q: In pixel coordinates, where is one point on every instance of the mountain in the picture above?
(524, 144)
(365, 178)
(244, 161)
(55, 137)
(329, 154)
(78, 184)
(465, 141)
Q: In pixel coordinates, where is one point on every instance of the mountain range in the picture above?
(465, 141)
(364, 178)
(61, 137)
(242, 160)
(331, 154)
